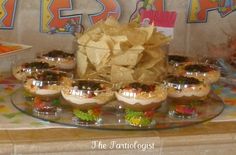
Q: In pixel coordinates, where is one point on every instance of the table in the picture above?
(26, 135)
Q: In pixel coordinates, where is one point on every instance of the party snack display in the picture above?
(124, 63)
(142, 102)
(119, 53)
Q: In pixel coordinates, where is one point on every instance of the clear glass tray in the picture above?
(112, 118)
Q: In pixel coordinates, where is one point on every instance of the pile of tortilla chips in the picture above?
(118, 53)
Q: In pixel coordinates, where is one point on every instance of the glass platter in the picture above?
(113, 118)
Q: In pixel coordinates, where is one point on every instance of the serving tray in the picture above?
(112, 117)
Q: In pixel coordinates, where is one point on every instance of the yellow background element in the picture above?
(46, 15)
(2, 12)
(194, 10)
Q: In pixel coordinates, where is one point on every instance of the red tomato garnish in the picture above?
(149, 114)
(152, 87)
(38, 103)
(96, 111)
(90, 95)
(185, 109)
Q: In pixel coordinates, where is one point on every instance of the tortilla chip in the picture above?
(95, 34)
(82, 63)
(104, 63)
(111, 21)
(111, 30)
(128, 58)
(96, 51)
(136, 36)
(156, 53)
(125, 46)
(107, 39)
(147, 75)
(149, 30)
(119, 74)
(83, 39)
(120, 38)
(157, 40)
(149, 64)
(117, 49)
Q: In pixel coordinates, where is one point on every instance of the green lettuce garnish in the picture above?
(56, 102)
(137, 118)
(85, 116)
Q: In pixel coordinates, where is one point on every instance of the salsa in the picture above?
(198, 68)
(141, 87)
(58, 54)
(183, 80)
(88, 85)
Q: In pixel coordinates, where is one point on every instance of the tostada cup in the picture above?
(184, 93)
(46, 83)
(204, 72)
(87, 97)
(60, 59)
(22, 69)
(45, 86)
(141, 99)
(175, 61)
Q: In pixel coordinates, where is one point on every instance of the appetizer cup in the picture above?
(176, 61)
(87, 97)
(60, 59)
(44, 86)
(204, 72)
(22, 69)
(184, 92)
(141, 99)
(46, 83)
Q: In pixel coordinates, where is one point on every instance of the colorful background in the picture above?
(211, 20)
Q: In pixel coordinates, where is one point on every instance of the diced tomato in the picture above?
(96, 111)
(152, 87)
(90, 95)
(149, 114)
(38, 103)
(184, 109)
